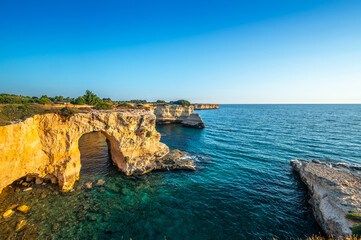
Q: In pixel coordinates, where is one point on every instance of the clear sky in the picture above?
(255, 51)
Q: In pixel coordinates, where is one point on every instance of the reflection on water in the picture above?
(95, 155)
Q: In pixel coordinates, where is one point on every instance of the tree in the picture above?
(80, 101)
(91, 98)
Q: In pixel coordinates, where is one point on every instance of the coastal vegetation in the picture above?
(17, 107)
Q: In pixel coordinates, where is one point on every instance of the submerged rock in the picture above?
(100, 183)
(23, 209)
(20, 225)
(8, 213)
(334, 193)
(88, 185)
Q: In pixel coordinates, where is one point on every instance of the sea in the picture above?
(243, 188)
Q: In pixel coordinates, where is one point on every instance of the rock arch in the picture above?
(47, 145)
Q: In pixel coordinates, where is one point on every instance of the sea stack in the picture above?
(194, 120)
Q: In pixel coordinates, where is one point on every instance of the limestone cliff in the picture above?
(334, 192)
(194, 120)
(172, 113)
(46, 146)
(200, 106)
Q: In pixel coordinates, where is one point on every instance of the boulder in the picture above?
(100, 183)
(20, 225)
(8, 213)
(23, 209)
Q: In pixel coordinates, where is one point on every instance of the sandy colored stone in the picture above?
(334, 192)
(23, 209)
(48, 144)
(20, 225)
(202, 106)
(28, 189)
(8, 213)
(194, 121)
(100, 183)
(172, 113)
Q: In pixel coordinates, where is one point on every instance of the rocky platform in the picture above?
(335, 192)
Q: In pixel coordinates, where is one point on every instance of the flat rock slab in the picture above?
(334, 192)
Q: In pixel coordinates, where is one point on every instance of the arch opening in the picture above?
(95, 155)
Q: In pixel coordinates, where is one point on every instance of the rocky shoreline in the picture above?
(335, 193)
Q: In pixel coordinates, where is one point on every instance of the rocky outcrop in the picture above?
(199, 106)
(167, 114)
(46, 146)
(194, 120)
(334, 192)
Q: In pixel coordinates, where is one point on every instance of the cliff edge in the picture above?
(46, 146)
(335, 192)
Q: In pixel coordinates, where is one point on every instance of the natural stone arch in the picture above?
(48, 144)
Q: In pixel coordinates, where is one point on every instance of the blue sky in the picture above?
(299, 51)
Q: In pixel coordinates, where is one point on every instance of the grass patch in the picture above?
(353, 215)
(148, 134)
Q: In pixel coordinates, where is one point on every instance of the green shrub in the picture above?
(80, 101)
(184, 103)
(126, 159)
(44, 100)
(356, 230)
(103, 105)
(66, 112)
(124, 104)
(353, 215)
(148, 134)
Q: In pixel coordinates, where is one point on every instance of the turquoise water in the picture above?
(244, 187)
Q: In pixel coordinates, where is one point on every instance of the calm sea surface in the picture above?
(244, 187)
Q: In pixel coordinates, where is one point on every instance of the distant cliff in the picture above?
(199, 106)
(167, 114)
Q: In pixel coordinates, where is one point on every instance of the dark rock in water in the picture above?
(29, 178)
(194, 120)
(38, 181)
(173, 160)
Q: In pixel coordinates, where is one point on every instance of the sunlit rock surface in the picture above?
(46, 146)
(194, 120)
(200, 106)
(334, 192)
(167, 114)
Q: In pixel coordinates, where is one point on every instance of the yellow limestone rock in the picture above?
(172, 113)
(48, 144)
(8, 213)
(23, 209)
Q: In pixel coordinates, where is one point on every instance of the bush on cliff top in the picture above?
(103, 106)
(184, 103)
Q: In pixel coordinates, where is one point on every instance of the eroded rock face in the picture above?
(194, 120)
(46, 146)
(199, 106)
(167, 114)
(334, 192)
